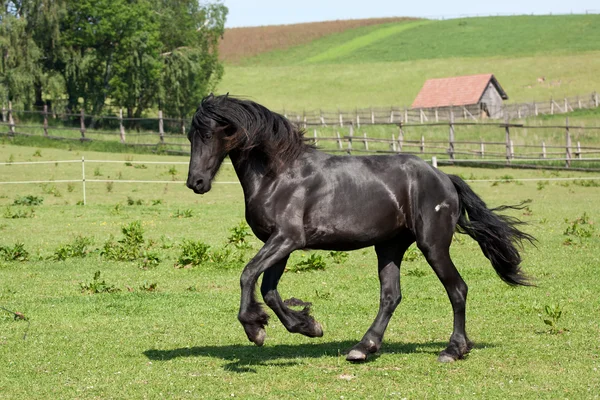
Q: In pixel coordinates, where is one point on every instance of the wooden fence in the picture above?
(570, 153)
(378, 115)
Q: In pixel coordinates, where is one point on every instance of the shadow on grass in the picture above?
(243, 357)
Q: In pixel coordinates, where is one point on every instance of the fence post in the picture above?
(451, 136)
(578, 150)
(339, 140)
(535, 108)
(3, 113)
(161, 128)
(406, 115)
(394, 148)
(182, 126)
(551, 106)
(372, 117)
(596, 98)
(507, 136)
(422, 144)
(434, 162)
(400, 136)
(543, 149)
(121, 127)
(568, 140)
(512, 149)
(341, 120)
(366, 141)
(391, 115)
(83, 177)
(45, 119)
(315, 136)
(82, 123)
(437, 119)
(482, 148)
(11, 120)
(350, 135)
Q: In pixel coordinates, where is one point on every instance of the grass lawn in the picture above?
(173, 333)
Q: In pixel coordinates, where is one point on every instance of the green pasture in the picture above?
(387, 64)
(173, 333)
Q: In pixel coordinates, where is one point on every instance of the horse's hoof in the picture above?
(446, 358)
(259, 340)
(356, 356)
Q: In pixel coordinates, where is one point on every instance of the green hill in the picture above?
(386, 64)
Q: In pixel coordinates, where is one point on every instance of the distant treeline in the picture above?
(136, 54)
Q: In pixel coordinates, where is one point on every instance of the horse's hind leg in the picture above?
(389, 257)
(294, 321)
(435, 245)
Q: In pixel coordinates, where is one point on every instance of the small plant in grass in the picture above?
(173, 172)
(187, 213)
(128, 164)
(29, 200)
(580, 228)
(78, 248)
(97, 286)
(37, 153)
(11, 159)
(157, 202)
(551, 315)
(237, 236)
(97, 171)
(193, 253)
(51, 189)
(70, 187)
(338, 257)
(149, 287)
(133, 202)
(412, 254)
(116, 209)
(314, 262)
(416, 272)
(15, 253)
(149, 259)
(109, 186)
(140, 166)
(11, 213)
(542, 184)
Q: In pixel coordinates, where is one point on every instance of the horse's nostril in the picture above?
(199, 182)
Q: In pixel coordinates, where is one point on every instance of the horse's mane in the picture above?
(250, 127)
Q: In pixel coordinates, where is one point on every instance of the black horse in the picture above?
(297, 197)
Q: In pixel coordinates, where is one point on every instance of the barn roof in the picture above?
(455, 91)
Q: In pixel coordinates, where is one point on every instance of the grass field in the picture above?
(172, 332)
(387, 64)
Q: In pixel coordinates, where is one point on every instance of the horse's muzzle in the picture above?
(199, 186)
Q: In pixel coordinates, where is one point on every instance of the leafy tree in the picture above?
(19, 57)
(189, 34)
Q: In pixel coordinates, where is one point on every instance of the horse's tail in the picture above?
(496, 234)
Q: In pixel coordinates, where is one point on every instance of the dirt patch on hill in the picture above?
(239, 43)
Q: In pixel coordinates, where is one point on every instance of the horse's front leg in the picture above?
(251, 315)
(294, 321)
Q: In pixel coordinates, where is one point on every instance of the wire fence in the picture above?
(84, 179)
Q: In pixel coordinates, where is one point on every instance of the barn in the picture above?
(479, 95)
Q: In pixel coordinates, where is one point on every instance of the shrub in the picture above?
(78, 248)
(15, 253)
(314, 262)
(28, 200)
(237, 236)
(193, 253)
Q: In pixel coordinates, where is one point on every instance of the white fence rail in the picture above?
(83, 180)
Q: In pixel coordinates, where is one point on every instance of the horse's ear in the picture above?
(227, 94)
(210, 96)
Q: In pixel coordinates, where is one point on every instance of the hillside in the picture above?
(386, 64)
(240, 43)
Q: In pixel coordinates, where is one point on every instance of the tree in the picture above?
(190, 35)
(19, 62)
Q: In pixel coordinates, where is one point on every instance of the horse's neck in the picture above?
(250, 171)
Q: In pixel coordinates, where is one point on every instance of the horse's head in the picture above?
(208, 136)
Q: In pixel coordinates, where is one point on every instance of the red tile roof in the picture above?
(455, 91)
